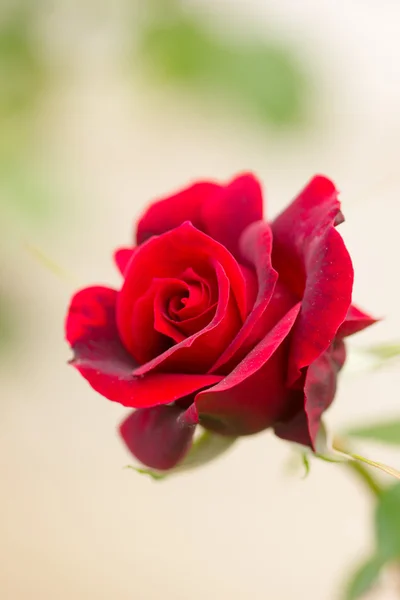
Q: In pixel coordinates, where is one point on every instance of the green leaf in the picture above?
(387, 432)
(22, 71)
(8, 323)
(259, 77)
(206, 448)
(387, 536)
(387, 523)
(364, 579)
(24, 192)
(384, 351)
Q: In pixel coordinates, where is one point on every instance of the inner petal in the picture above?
(198, 322)
(199, 351)
(195, 302)
(182, 308)
(168, 256)
(169, 292)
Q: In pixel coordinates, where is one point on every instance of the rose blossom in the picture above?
(222, 319)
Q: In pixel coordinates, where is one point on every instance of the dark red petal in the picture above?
(227, 214)
(168, 256)
(296, 429)
(254, 395)
(122, 256)
(171, 212)
(256, 245)
(91, 318)
(319, 392)
(326, 300)
(356, 320)
(311, 257)
(158, 437)
(101, 358)
(197, 353)
(221, 211)
(313, 211)
(320, 385)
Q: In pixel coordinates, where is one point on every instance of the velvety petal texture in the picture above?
(221, 211)
(312, 259)
(101, 358)
(222, 319)
(253, 396)
(157, 436)
(170, 256)
(317, 394)
(356, 320)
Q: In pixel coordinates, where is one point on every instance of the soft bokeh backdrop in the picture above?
(103, 108)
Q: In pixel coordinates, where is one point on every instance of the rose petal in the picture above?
(319, 392)
(320, 385)
(171, 212)
(227, 214)
(356, 320)
(197, 353)
(157, 436)
(192, 326)
(254, 395)
(296, 429)
(256, 245)
(312, 259)
(101, 358)
(198, 297)
(151, 331)
(313, 211)
(169, 255)
(221, 211)
(122, 256)
(162, 322)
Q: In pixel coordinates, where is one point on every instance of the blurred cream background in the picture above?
(73, 522)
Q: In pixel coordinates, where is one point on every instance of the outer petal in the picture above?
(356, 320)
(233, 208)
(221, 211)
(296, 429)
(318, 394)
(122, 256)
(171, 212)
(254, 395)
(101, 358)
(320, 386)
(311, 257)
(157, 436)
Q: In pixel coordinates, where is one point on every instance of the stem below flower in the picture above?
(362, 472)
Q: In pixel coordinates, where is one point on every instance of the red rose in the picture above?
(222, 320)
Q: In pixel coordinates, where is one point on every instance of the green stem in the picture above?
(362, 472)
